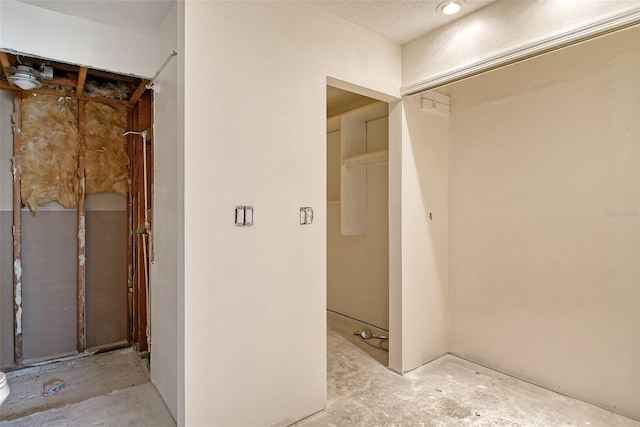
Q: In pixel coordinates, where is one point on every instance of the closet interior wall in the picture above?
(358, 214)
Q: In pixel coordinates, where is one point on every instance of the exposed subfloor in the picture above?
(110, 389)
(446, 392)
(361, 392)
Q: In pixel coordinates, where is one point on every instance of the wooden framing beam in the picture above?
(81, 334)
(62, 81)
(142, 87)
(140, 278)
(17, 230)
(70, 94)
(82, 77)
(113, 76)
(103, 100)
(142, 118)
(130, 230)
(6, 69)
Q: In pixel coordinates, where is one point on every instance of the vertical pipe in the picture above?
(17, 230)
(141, 294)
(145, 257)
(82, 343)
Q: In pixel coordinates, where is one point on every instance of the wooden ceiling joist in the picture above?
(142, 87)
(61, 81)
(6, 85)
(65, 82)
(6, 68)
(82, 76)
(103, 100)
(55, 92)
(111, 76)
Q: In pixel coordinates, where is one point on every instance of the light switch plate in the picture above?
(244, 216)
(306, 216)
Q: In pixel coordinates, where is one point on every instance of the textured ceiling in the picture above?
(398, 20)
(139, 16)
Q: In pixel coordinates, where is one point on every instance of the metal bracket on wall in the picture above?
(435, 101)
(306, 216)
(244, 216)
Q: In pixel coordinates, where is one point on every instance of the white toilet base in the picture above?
(4, 388)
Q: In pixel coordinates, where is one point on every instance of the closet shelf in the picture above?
(366, 160)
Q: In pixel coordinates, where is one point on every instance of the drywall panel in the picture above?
(6, 150)
(497, 28)
(6, 288)
(262, 287)
(425, 214)
(41, 32)
(6, 223)
(49, 283)
(106, 275)
(396, 121)
(545, 229)
(179, 243)
(358, 266)
(167, 224)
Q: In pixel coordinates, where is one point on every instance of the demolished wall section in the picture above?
(106, 156)
(49, 157)
(48, 160)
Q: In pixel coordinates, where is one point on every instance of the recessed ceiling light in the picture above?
(24, 77)
(450, 7)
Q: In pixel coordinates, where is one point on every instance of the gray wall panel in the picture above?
(49, 283)
(6, 288)
(106, 277)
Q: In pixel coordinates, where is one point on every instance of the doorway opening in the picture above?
(358, 220)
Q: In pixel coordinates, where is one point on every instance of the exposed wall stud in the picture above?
(82, 76)
(82, 343)
(6, 69)
(130, 235)
(142, 120)
(17, 230)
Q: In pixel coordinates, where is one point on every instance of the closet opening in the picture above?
(76, 204)
(358, 220)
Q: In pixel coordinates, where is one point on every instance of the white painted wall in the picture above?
(180, 245)
(499, 27)
(545, 224)
(358, 266)
(167, 226)
(255, 343)
(424, 297)
(41, 32)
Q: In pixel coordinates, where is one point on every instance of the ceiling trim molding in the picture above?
(596, 29)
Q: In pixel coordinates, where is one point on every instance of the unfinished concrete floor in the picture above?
(361, 392)
(110, 389)
(446, 392)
